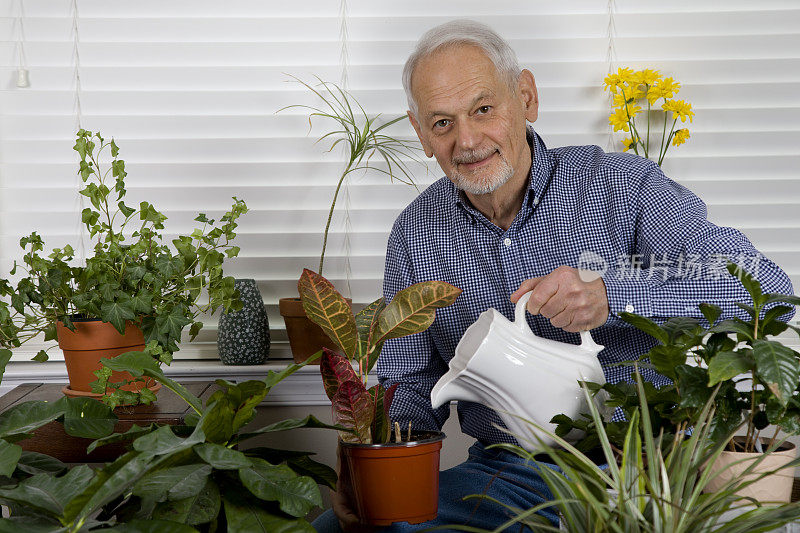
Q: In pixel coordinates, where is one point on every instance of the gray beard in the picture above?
(487, 184)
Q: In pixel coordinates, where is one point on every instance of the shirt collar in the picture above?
(541, 169)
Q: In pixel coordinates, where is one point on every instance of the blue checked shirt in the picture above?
(614, 213)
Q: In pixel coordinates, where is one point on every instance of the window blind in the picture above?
(190, 90)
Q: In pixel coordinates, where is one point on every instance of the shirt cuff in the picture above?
(626, 294)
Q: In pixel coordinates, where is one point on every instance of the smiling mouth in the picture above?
(477, 164)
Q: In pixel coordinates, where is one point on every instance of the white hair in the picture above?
(460, 32)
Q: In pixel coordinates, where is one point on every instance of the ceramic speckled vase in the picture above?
(243, 336)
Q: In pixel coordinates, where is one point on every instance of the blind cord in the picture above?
(23, 78)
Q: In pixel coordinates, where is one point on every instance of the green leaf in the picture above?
(327, 308)
(750, 283)
(198, 509)
(711, 312)
(5, 357)
(9, 457)
(367, 323)
(47, 493)
(296, 495)
(727, 365)
(778, 367)
(222, 457)
(217, 421)
(163, 441)
(133, 432)
(126, 211)
(666, 358)
(648, 326)
(173, 323)
(88, 418)
(413, 309)
(108, 484)
(734, 326)
(298, 461)
(292, 423)
(245, 517)
(175, 483)
(151, 526)
(28, 416)
(142, 302)
(116, 313)
(233, 251)
(39, 463)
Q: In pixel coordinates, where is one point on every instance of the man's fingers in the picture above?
(526, 286)
(540, 296)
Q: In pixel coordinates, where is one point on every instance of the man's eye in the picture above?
(441, 123)
(484, 109)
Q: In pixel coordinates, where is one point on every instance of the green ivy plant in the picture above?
(197, 477)
(132, 275)
(723, 355)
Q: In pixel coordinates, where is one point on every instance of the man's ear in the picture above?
(526, 87)
(425, 145)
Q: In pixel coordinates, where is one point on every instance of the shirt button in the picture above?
(535, 200)
(629, 308)
(507, 241)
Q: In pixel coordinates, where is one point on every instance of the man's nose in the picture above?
(468, 135)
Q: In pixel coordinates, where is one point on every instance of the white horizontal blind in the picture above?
(189, 89)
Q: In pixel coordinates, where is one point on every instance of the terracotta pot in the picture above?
(91, 341)
(395, 482)
(305, 337)
(776, 487)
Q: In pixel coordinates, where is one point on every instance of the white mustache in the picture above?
(473, 156)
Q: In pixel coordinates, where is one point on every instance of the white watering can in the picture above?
(503, 365)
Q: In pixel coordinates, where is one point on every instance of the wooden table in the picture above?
(51, 439)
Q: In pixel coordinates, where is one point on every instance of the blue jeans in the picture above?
(496, 473)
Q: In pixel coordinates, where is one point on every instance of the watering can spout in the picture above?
(447, 390)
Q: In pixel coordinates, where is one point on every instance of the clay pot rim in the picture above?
(428, 437)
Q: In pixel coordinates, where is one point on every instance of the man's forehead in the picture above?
(462, 74)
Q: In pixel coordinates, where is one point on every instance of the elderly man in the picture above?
(513, 216)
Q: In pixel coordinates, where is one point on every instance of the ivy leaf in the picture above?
(41, 356)
(233, 251)
(127, 211)
(117, 313)
(142, 302)
(173, 323)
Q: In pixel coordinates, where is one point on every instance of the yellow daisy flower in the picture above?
(647, 76)
(654, 93)
(628, 143)
(680, 137)
(668, 87)
(619, 120)
(680, 109)
(613, 81)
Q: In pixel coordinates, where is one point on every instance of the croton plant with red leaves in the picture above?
(365, 411)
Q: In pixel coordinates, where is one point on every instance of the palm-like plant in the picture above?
(362, 136)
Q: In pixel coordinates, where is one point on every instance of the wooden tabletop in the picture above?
(52, 440)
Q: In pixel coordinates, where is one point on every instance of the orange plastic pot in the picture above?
(91, 341)
(305, 337)
(395, 482)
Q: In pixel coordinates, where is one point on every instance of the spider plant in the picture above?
(363, 137)
(656, 487)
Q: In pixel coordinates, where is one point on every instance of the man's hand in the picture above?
(341, 501)
(569, 302)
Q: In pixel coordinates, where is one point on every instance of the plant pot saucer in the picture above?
(84, 394)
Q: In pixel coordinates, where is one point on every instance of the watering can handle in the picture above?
(519, 320)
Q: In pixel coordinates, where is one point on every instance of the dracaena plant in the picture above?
(728, 353)
(365, 411)
(364, 138)
(131, 275)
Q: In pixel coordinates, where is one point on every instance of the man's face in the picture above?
(470, 120)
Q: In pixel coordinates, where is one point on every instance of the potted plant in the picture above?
(371, 452)
(363, 140)
(652, 483)
(189, 478)
(757, 375)
(133, 290)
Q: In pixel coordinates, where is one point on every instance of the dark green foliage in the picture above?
(725, 353)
